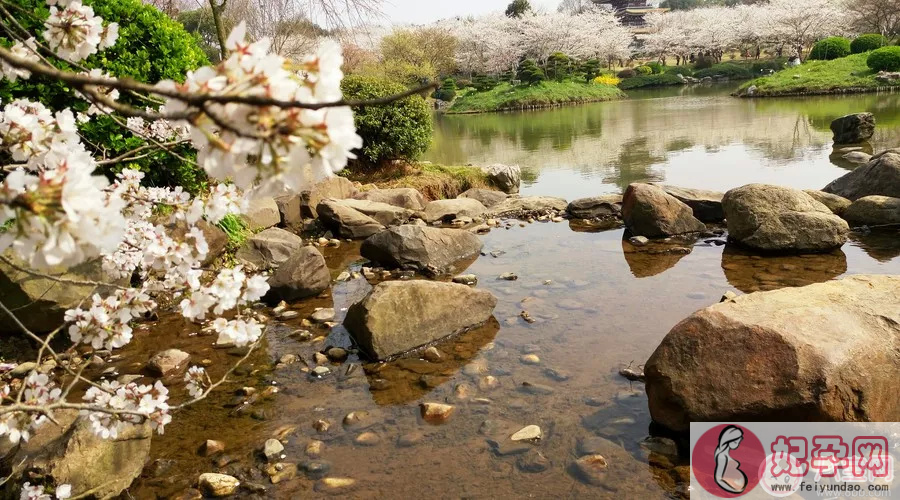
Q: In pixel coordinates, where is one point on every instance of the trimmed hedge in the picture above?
(830, 48)
(868, 42)
(650, 81)
(884, 59)
(724, 70)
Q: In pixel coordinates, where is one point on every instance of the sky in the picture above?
(425, 11)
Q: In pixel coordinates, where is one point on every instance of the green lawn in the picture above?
(505, 97)
(847, 74)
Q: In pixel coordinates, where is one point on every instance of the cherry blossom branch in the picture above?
(127, 156)
(224, 378)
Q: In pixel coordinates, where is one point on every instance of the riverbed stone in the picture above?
(273, 449)
(506, 178)
(218, 485)
(385, 214)
(397, 316)
(533, 461)
(426, 249)
(526, 206)
(447, 210)
(167, 363)
(262, 213)
(436, 412)
(345, 221)
(487, 197)
(528, 433)
(780, 219)
(853, 128)
(706, 204)
(649, 211)
(269, 249)
(823, 352)
(881, 176)
(290, 208)
(837, 204)
(302, 275)
(873, 211)
(857, 157)
(337, 187)
(335, 485)
(608, 205)
(408, 198)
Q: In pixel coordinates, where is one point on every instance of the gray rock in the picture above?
(706, 205)
(262, 213)
(316, 469)
(774, 218)
(303, 275)
(218, 485)
(323, 315)
(529, 205)
(609, 205)
(269, 249)
(447, 210)
(272, 450)
(290, 206)
(407, 198)
(337, 188)
(649, 211)
(854, 128)
(881, 176)
(426, 249)
(466, 279)
(398, 316)
(385, 214)
(533, 461)
(167, 363)
(829, 349)
(873, 211)
(347, 222)
(487, 197)
(857, 157)
(506, 178)
(837, 204)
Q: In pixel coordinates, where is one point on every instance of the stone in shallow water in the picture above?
(333, 485)
(367, 439)
(273, 449)
(167, 363)
(314, 449)
(530, 359)
(436, 412)
(316, 469)
(528, 433)
(323, 315)
(281, 472)
(533, 461)
(218, 485)
(593, 469)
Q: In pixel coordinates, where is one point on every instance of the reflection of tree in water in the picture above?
(634, 164)
(882, 246)
(679, 144)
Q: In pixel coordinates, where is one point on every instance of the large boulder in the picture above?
(336, 187)
(529, 206)
(447, 210)
(290, 206)
(262, 213)
(346, 222)
(268, 249)
(648, 211)
(780, 219)
(707, 205)
(487, 197)
(431, 250)
(837, 204)
(506, 178)
(408, 198)
(823, 352)
(880, 176)
(397, 316)
(608, 205)
(853, 129)
(302, 275)
(873, 211)
(39, 302)
(385, 214)
(73, 454)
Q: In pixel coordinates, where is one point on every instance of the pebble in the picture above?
(302, 335)
(530, 359)
(557, 219)
(344, 276)
(314, 449)
(466, 279)
(323, 315)
(321, 371)
(280, 308)
(488, 383)
(635, 375)
(319, 358)
(288, 359)
(527, 317)
(273, 449)
(218, 485)
(212, 447)
(336, 354)
(505, 447)
(316, 469)
(432, 355)
(729, 295)
(168, 362)
(557, 375)
(533, 461)
(540, 389)
(281, 472)
(593, 469)
(334, 484)
(462, 391)
(359, 420)
(410, 439)
(288, 315)
(638, 241)
(322, 425)
(367, 439)
(477, 367)
(528, 433)
(508, 277)
(436, 412)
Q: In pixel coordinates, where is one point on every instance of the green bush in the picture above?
(530, 73)
(703, 62)
(830, 48)
(590, 69)
(884, 59)
(643, 70)
(447, 92)
(558, 66)
(868, 42)
(484, 83)
(650, 81)
(655, 67)
(151, 47)
(463, 83)
(626, 73)
(724, 70)
(678, 70)
(776, 64)
(398, 131)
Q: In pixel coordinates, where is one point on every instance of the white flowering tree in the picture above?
(261, 124)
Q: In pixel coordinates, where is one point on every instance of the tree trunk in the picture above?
(220, 28)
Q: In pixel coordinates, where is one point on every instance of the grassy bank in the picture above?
(506, 97)
(435, 182)
(845, 75)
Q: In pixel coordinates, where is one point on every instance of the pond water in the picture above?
(597, 306)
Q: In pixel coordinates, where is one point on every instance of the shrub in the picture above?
(447, 92)
(650, 81)
(703, 62)
(868, 42)
(655, 67)
(463, 83)
(590, 69)
(530, 73)
(627, 73)
(724, 70)
(884, 59)
(607, 80)
(398, 131)
(558, 66)
(678, 70)
(643, 70)
(484, 83)
(776, 64)
(830, 48)
(151, 47)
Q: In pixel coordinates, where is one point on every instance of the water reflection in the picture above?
(655, 257)
(749, 272)
(882, 245)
